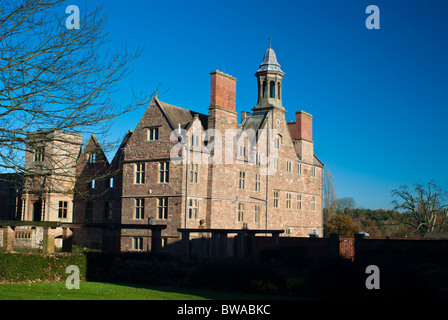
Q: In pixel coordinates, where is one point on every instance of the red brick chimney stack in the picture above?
(304, 126)
(223, 91)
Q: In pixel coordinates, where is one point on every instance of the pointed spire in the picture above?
(270, 62)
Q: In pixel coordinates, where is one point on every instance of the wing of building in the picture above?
(185, 169)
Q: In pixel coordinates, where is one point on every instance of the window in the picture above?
(195, 140)
(193, 208)
(258, 159)
(62, 211)
(257, 213)
(108, 210)
(139, 208)
(288, 200)
(299, 168)
(164, 172)
(111, 183)
(289, 166)
(193, 173)
(264, 89)
(137, 243)
(299, 202)
(275, 199)
(153, 134)
(242, 151)
(313, 203)
(162, 210)
(276, 163)
(313, 171)
(288, 232)
(92, 158)
(39, 154)
(240, 211)
(88, 210)
(257, 182)
(242, 180)
(92, 184)
(140, 173)
(277, 142)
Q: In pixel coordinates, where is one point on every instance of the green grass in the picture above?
(108, 291)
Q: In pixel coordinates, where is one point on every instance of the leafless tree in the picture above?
(426, 209)
(330, 197)
(55, 79)
(345, 203)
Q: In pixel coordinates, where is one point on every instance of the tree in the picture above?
(341, 224)
(425, 210)
(330, 197)
(55, 79)
(345, 203)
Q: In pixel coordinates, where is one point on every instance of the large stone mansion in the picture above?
(171, 171)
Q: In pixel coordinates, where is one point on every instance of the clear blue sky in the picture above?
(379, 98)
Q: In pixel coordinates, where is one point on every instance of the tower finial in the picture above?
(269, 41)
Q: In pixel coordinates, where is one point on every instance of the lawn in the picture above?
(108, 291)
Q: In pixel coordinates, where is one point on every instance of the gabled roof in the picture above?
(176, 115)
(93, 146)
(116, 161)
(254, 120)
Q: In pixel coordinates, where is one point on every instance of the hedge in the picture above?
(119, 267)
(29, 267)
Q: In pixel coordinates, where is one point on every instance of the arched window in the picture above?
(264, 89)
(279, 89)
(272, 89)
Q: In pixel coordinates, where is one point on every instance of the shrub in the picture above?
(20, 267)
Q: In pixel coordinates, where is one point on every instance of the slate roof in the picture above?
(270, 62)
(185, 117)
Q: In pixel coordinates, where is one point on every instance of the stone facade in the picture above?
(185, 169)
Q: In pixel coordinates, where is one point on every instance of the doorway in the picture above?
(37, 210)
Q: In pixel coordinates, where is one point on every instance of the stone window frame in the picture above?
(39, 154)
(241, 207)
(139, 173)
(139, 206)
(162, 208)
(62, 209)
(257, 213)
(242, 180)
(276, 199)
(288, 166)
(194, 172)
(276, 166)
(288, 200)
(193, 208)
(257, 182)
(91, 157)
(313, 171)
(313, 203)
(137, 243)
(152, 134)
(299, 202)
(164, 171)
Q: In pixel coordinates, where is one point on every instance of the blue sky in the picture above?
(378, 98)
